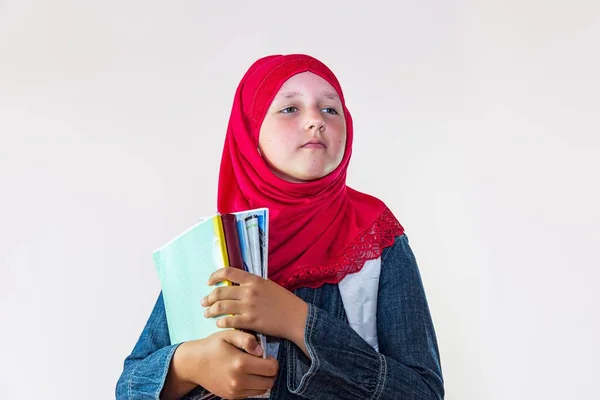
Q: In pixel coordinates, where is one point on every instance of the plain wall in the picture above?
(476, 122)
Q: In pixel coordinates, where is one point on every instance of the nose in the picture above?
(315, 121)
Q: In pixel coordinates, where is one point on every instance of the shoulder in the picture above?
(399, 249)
(398, 263)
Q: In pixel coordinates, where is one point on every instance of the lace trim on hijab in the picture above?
(367, 246)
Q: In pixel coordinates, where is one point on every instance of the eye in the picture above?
(288, 110)
(330, 110)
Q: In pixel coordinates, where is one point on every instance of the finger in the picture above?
(243, 341)
(260, 384)
(264, 367)
(239, 321)
(222, 293)
(234, 275)
(224, 307)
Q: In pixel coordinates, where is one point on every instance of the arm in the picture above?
(146, 369)
(343, 366)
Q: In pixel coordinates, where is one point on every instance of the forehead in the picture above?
(307, 82)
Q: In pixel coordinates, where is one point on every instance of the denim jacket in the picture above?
(407, 365)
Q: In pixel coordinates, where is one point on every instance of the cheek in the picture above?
(341, 149)
(285, 134)
(340, 140)
(277, 140)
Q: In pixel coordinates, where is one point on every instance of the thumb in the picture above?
(244, 341)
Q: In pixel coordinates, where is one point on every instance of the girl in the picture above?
(344, 307)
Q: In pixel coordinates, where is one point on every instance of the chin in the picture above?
(312, 173)
(311, 176)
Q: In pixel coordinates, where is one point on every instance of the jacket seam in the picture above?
(129, 390)
(163, 376)
(381, 377)
(304, 382)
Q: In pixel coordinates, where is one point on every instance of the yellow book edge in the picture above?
(220, 234)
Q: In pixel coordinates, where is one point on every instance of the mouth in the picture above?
(314, 144)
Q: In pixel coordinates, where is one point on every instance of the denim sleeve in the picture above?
(344, 366)
(145, 369)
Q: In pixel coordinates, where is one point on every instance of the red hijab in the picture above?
(319, 231)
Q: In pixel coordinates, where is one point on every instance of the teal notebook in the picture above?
(184, 265)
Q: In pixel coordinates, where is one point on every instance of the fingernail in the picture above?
(259, 350)
(203, 301)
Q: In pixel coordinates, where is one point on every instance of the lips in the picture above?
(314, 144)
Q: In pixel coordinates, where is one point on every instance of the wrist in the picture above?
(177, 383)
(180, 364)
(298, 325)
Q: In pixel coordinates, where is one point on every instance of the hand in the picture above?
(257, 304)
(218, 365)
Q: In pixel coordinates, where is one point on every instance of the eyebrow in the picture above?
(329, 95)
(289, 95)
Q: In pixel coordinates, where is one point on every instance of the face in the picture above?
(303, 135)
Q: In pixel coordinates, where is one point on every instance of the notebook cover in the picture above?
(184, 265)
(234, 251)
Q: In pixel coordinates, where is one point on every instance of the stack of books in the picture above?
(185, 263)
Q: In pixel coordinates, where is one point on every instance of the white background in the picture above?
(476, 122)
